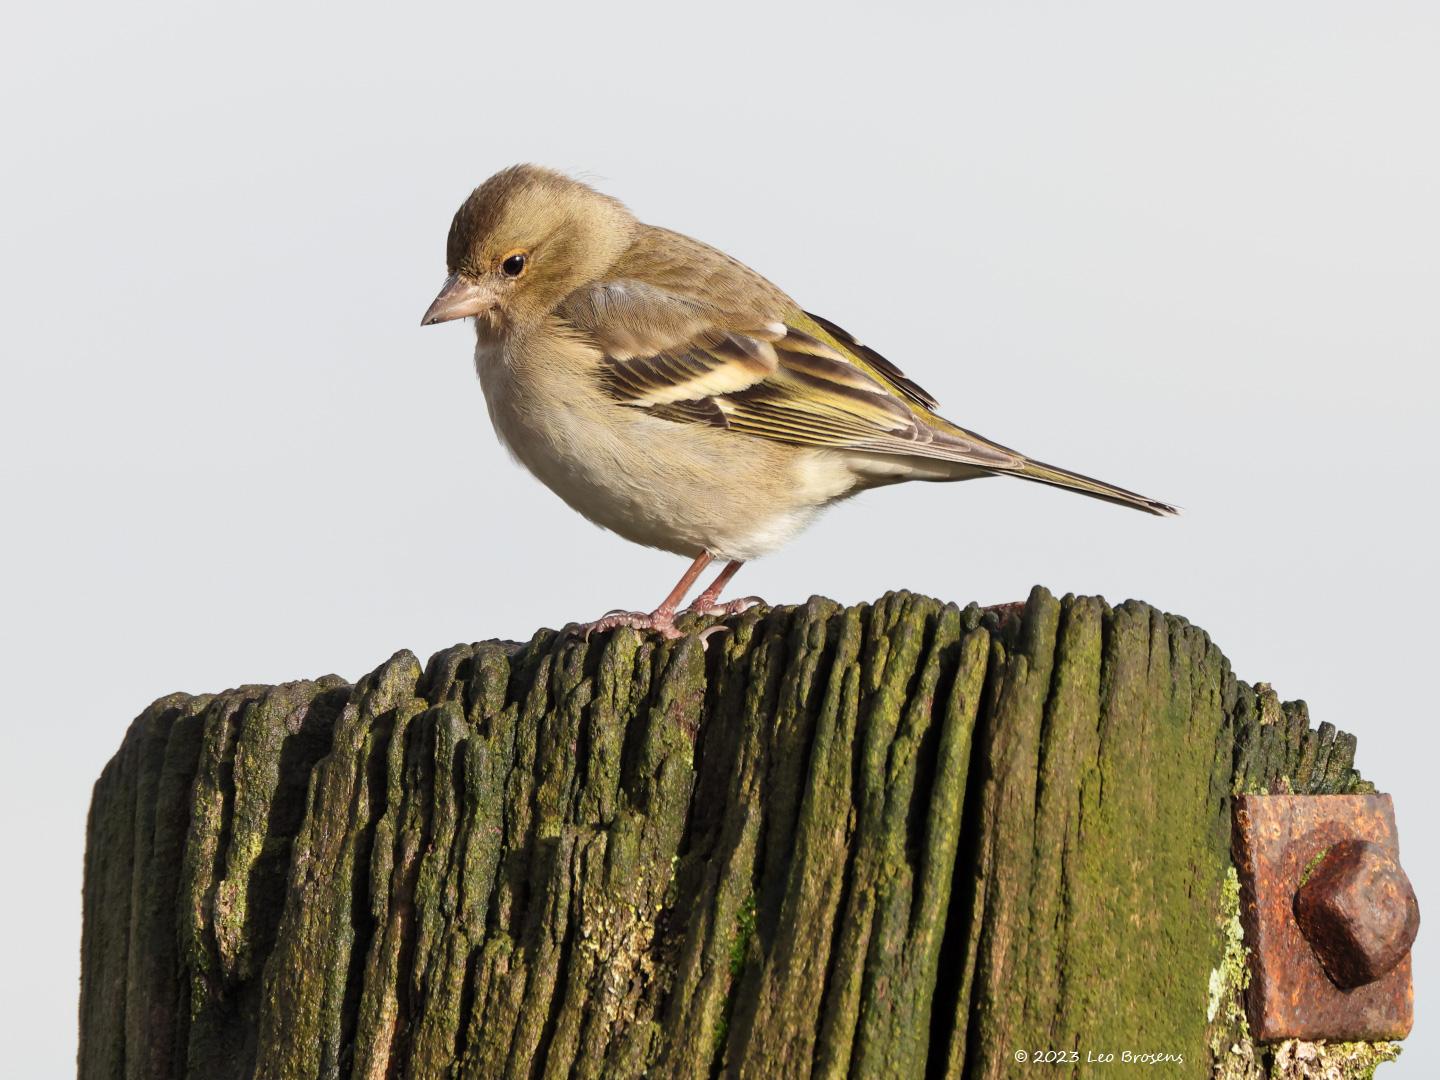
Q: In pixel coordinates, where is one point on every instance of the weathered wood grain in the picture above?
(897, 839)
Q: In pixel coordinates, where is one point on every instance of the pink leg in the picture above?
(662, 619)
(707, 603)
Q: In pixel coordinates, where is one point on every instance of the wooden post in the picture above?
(886, 840)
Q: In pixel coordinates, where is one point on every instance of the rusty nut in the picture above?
(1358, 912)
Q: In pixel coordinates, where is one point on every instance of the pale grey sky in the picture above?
(1192, 251)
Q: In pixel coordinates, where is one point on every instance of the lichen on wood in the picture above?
(900, 838)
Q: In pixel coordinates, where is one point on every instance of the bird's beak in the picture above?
(459, 298)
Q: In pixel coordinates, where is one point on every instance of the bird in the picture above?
(673, 395)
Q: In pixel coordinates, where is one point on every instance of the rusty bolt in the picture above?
(1358, 912)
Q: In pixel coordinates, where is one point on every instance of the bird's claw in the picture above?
(710, 631)
(730, 607)
(662, 622)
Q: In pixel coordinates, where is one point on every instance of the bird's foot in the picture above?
(707, 606)
(661, 620)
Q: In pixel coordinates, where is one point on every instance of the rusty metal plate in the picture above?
(1276, 840)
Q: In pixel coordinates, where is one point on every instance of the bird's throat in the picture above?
(491, 328)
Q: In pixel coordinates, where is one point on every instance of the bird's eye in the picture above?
(513, 265)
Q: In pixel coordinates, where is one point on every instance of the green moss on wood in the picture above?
(1234, 1053)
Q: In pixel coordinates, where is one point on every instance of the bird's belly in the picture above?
(677, 487)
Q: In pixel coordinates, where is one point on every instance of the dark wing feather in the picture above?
(893, 375)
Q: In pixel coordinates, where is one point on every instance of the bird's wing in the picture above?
(767, 372)
(690, 335)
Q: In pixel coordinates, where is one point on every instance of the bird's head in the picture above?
(522, 242)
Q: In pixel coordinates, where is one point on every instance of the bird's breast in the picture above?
(680, 487)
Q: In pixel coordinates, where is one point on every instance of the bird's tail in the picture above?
(1096, 489)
